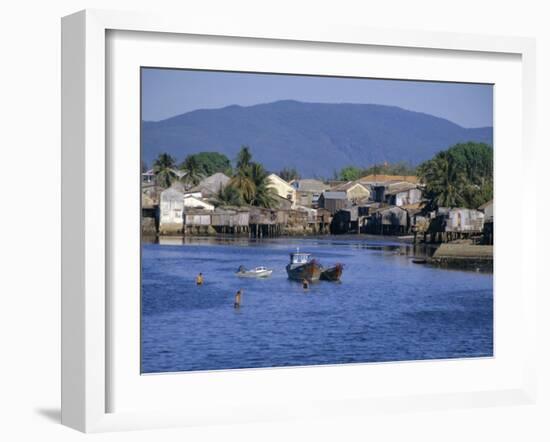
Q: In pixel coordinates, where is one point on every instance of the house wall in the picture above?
(464, 220)
(171, 211)
(197, 219)
(332, 205)
(393, 217)
(240, 219)
(357, 192)
(411, 196)
(304, 198)
(282, 188)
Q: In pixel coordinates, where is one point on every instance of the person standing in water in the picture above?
(199, 280)
(305, 284)
(238, 299)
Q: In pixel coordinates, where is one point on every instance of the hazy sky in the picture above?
(169, 92)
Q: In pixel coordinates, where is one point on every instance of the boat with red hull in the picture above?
(303, 267)
(332, 273)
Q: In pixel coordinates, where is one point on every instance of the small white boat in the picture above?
(257, 272)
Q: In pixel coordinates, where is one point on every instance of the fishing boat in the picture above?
(333, 273)
(302, 266)
(257, 272)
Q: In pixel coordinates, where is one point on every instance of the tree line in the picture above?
(353, 173)
(461, 176)
(248, 183)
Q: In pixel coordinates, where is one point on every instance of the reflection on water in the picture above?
(385, 309)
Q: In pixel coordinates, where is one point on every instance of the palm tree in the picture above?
(228, 196)
(264, 196)
(244, 157)
(250, 181)
(242, 182)
(445, 182)
(193, 171)
(164, 170)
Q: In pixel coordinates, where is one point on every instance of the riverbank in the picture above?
(151, 238)
(464, 256)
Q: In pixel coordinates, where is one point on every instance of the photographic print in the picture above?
(302, 220)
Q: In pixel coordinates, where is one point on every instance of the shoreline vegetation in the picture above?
(446, 200)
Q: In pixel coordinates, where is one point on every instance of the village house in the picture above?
(198, 221)
(333, 201)
(149, 184)
(448, 224)
(171, 210)
(173, 205)
(401, 194)
(265, 222)
(464, 220)
(282, 188)
(210, 186)
(344, 221)
(230, 220)
(354, 190)
(392, 220)
(396, 193)
(308, 191)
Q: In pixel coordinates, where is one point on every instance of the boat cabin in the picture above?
(300, 258)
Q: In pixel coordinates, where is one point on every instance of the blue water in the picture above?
(386, 308)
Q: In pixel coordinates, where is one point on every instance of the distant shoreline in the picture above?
(344, 237)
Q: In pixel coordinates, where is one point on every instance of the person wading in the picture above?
(305, 284)
(238, 299)
(199, 280)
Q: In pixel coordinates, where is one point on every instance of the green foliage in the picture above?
(288, 174)
(194, 172)
(402, 168)
(164, 170)
(228, 196)
(244, 157)
(461, 176)
(250, 181)
(264, 196)
(207, 163)
(350, 173)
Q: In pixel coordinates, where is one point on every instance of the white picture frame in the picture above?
(86, 200)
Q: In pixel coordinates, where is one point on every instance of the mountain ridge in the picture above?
(315, 138)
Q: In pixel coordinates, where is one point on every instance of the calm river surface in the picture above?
(386, 308)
